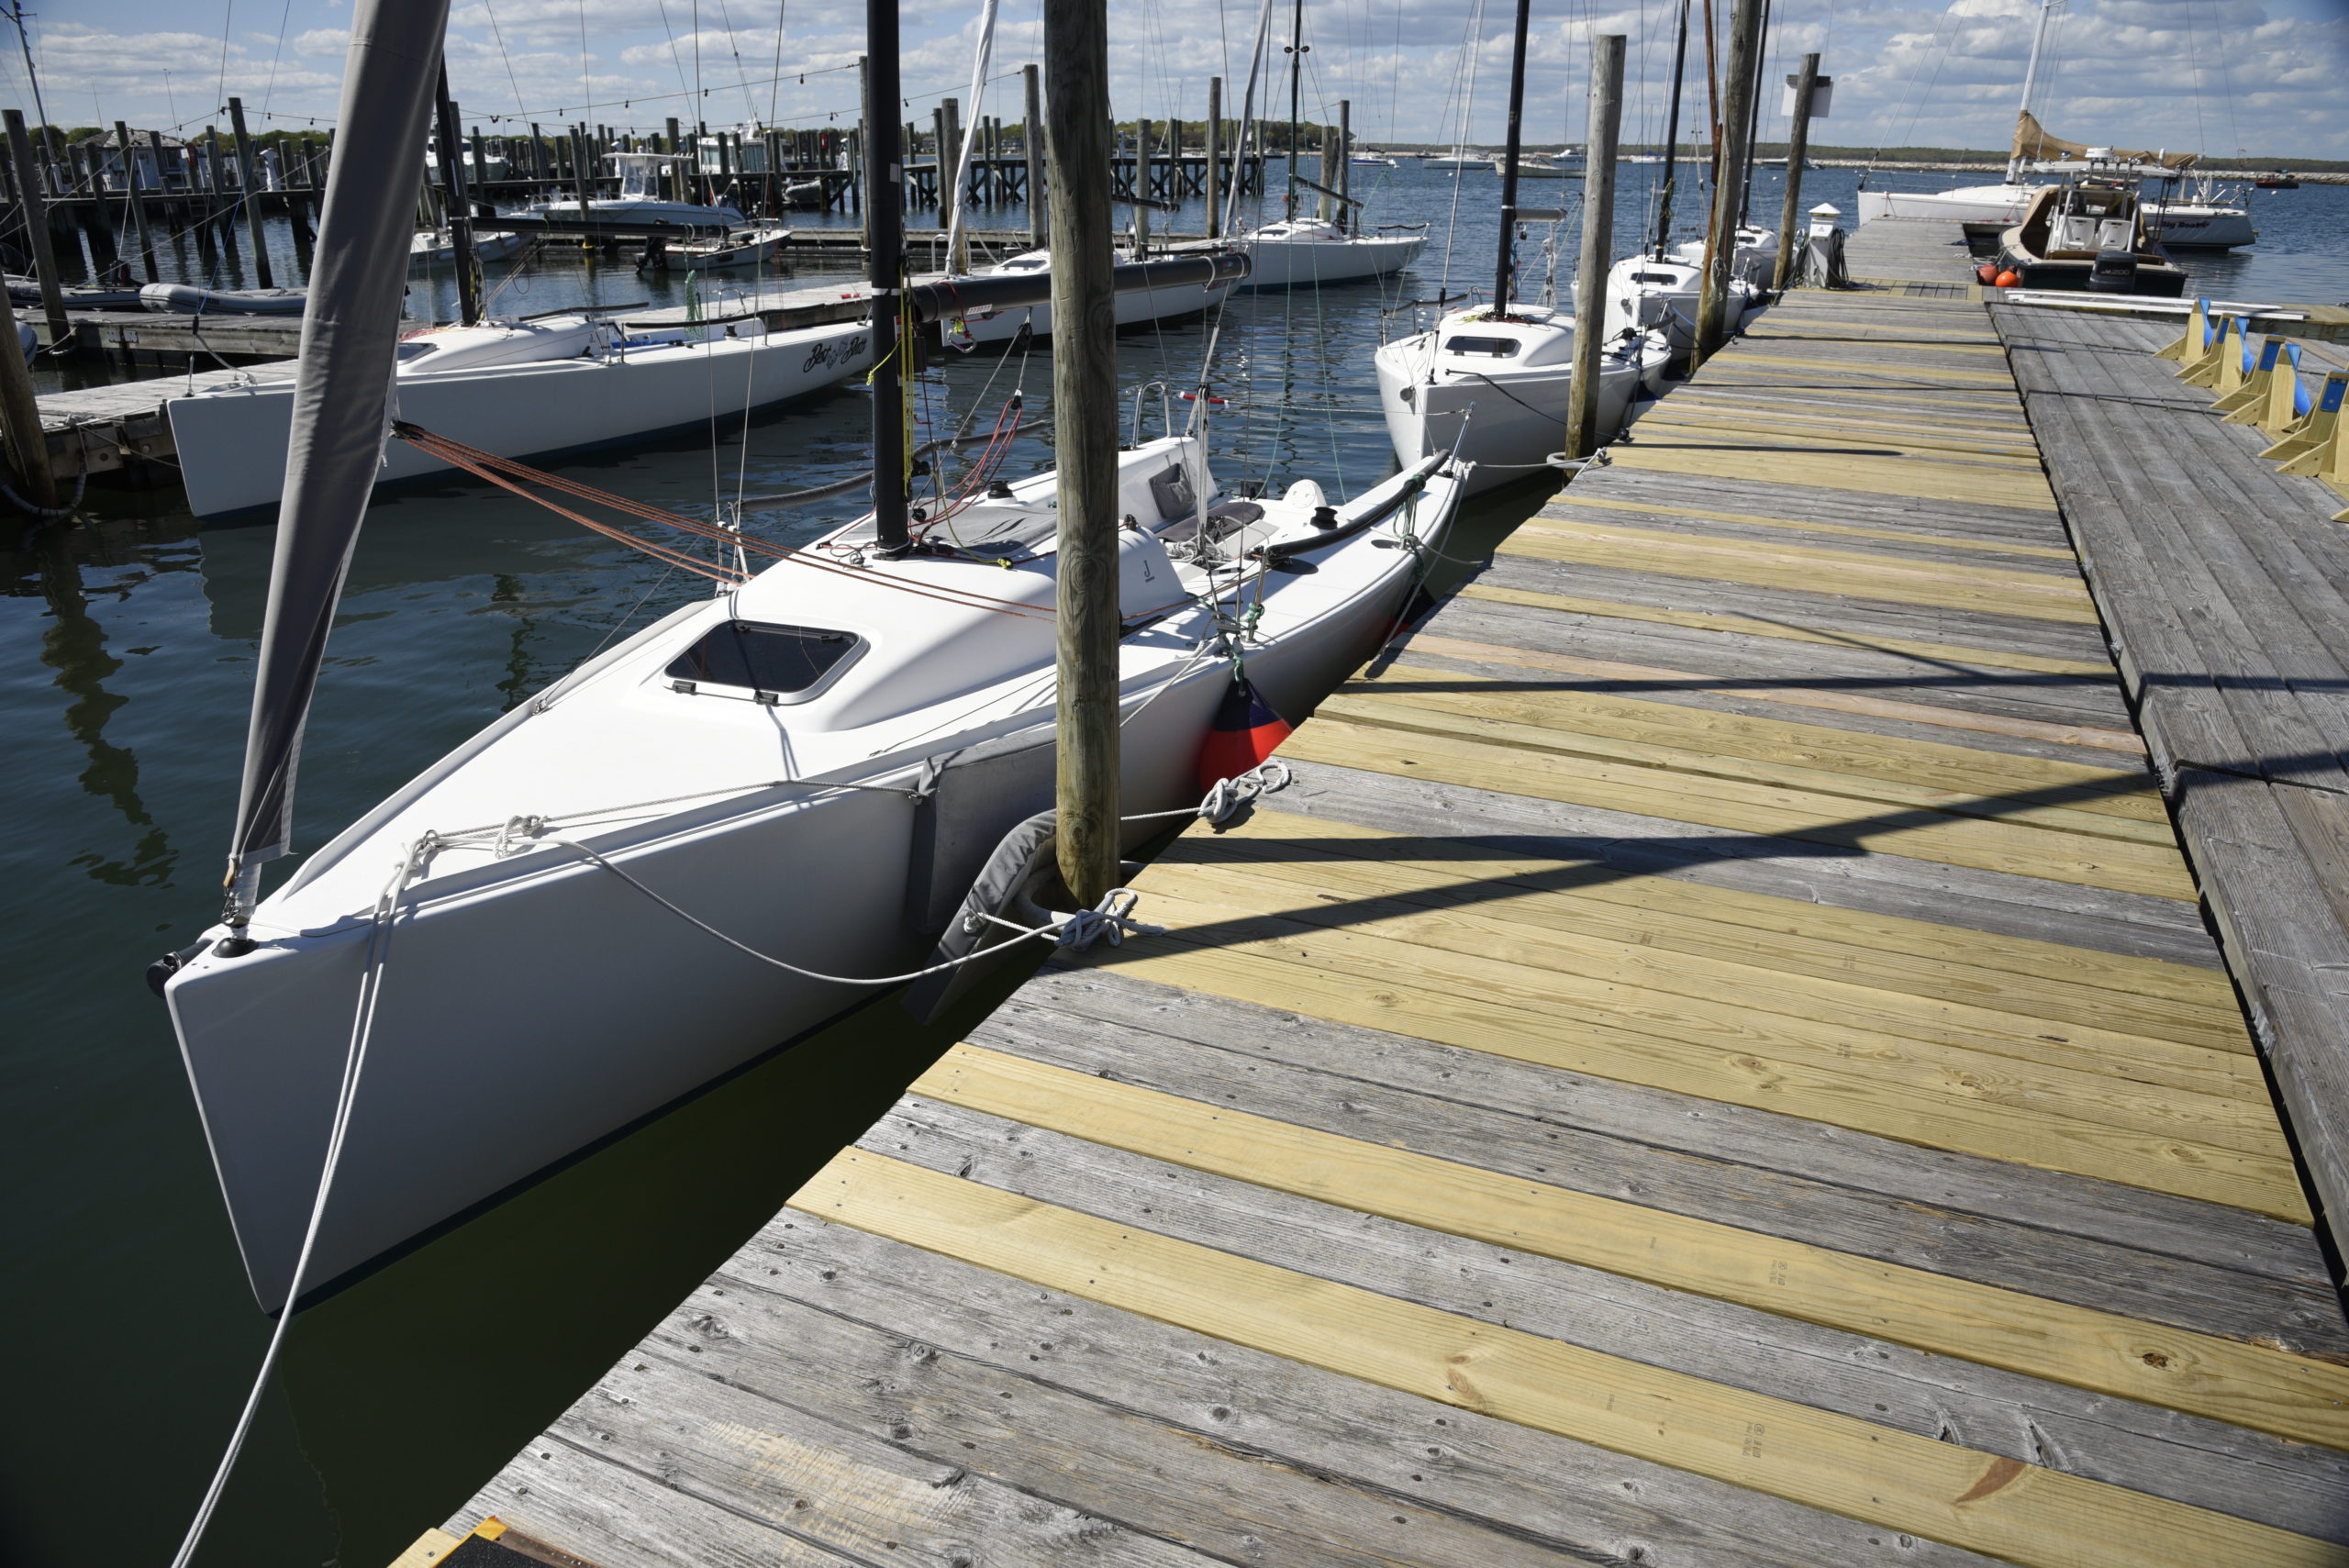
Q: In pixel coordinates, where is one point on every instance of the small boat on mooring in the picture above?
(732, 250)
(194, 299)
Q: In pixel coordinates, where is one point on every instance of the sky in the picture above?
(2222, 77)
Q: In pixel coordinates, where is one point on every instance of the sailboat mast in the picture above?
(2030, 80)
(1509, 162)
(885, 202)
(1295, 71)
(1671, 135)
(1248, 123)
(1753, 118)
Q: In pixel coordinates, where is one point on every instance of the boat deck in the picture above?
(1716, 1060)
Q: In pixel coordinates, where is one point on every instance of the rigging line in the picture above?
(227, 22)
(734, 47)
(1460, 149)
(489, 466)
(674, 57)
(775, 97)
(269, 90)
(503, 53)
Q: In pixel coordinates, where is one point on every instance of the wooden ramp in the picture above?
(1715, 1060)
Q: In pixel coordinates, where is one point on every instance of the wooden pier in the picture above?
(1717, 1059)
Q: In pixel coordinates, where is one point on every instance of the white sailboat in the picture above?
(520, 388)
(685, 853)
(1659, 290)
(1297, 251)
(1139, 298)
(2199, 219)
(1494, 384)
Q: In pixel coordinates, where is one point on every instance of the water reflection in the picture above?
(74, 645)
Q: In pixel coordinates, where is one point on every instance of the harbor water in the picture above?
(128, 657)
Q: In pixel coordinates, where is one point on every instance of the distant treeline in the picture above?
(1821, 150)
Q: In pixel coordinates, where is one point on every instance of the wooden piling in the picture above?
(461, 212)
(1032, 134)
(1215, 156)
(1344, 184)
(1601, 131)
(138, 201)
(1797, 145)
(1721, 234)
(249, 192)
(1084, 404)
(29, 183)
(20, 409)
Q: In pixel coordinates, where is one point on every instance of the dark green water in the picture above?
(127, 648)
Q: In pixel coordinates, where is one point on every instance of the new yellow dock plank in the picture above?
(1938, 767)
(1576, 502)
(2011, 976)
(2250, 1385)
(1737, 805)
(1530, 964)
(1970, 1499)
(1876, 475)
(1718, 560)
(1430, 645)
(1753, 625)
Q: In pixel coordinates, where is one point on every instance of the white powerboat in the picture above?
(638, 201)
(781, 767)
(1495, 389)
(195, 299)
(2001, 203)
(519, 389)
(438, 248)
(734, 250)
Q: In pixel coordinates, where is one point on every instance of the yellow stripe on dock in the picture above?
(1567, 503)
(2034, 596)
(1753, 625)
(1966, 1498)
(2293, 1396)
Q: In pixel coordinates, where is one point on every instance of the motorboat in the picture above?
(1135, 305)
(736, 249)
(438, 248)
(2088, 234)
(194, 299)
(1494, 389)
(1660, 293)
(1539, 169)
(1372, 160)
(811, 766)
(1304, 251)
(520, 388)
(639, 202)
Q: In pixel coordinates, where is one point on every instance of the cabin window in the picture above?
(783, 660)
(415, 350)
(1654, 278)
(1499, 348)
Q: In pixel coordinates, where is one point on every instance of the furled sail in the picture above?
(2032, 144)
(350, 333)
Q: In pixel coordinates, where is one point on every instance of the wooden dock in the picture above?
(1717, 1059)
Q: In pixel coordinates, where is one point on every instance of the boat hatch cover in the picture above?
(784, 660)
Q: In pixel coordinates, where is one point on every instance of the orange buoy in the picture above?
(1987, 272)
(2008, 279)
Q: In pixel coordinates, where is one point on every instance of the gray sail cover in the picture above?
(350, 333)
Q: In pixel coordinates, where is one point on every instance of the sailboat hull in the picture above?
(531, 1007)
(232, 441)
(1309, 265)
